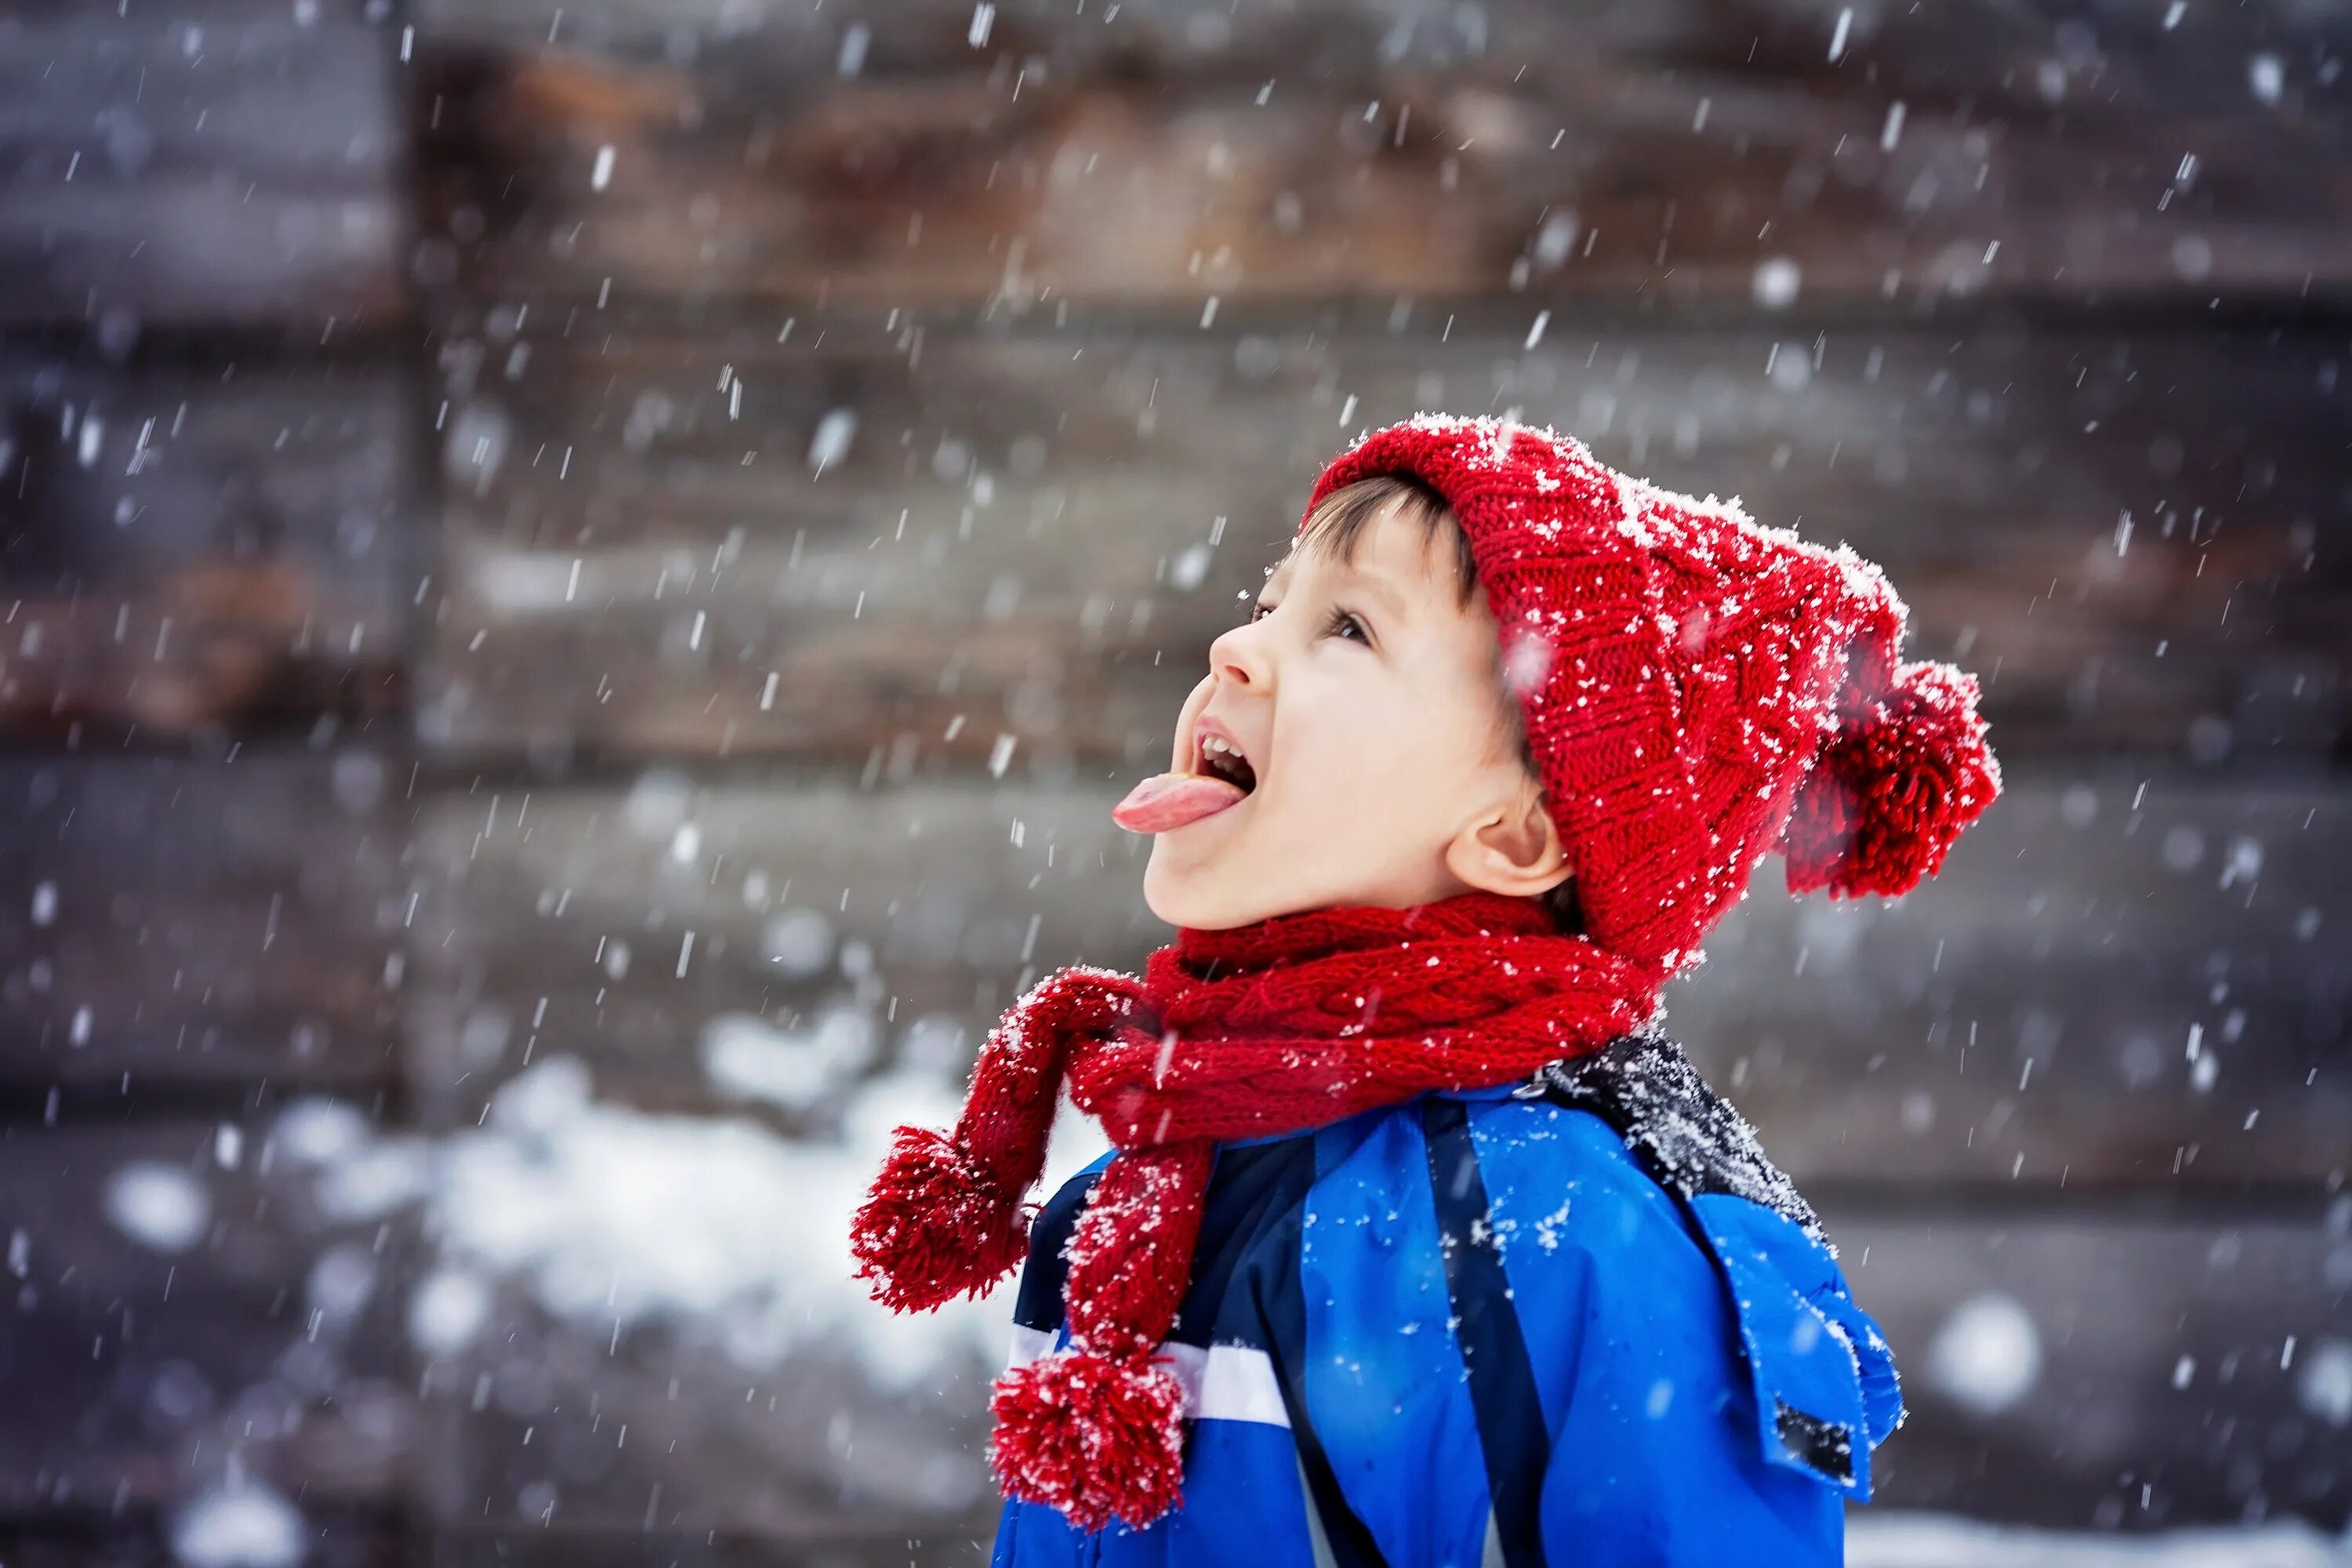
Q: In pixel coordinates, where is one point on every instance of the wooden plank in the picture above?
(180, 1297)
(192, 931)
(225, 166)
(202, 553)
(559, 918)
(1674, 156)
(831, 550)
(2116, 980)
(2024, 1022)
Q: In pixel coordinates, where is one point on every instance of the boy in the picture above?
(1419, 1243)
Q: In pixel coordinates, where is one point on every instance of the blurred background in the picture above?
(580, 580)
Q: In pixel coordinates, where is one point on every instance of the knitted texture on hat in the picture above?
(1276, 1027)
(1692, 681)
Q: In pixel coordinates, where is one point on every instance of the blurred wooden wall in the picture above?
(434, 431)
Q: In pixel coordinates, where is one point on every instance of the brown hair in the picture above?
(1335, 526)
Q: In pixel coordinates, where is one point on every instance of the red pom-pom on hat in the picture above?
(1096, 1437)
(1904, 773)
(933, 1227)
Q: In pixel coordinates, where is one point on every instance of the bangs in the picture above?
(1336, 525)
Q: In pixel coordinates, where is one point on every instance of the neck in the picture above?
(1316, 933)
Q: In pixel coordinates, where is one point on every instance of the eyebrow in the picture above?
(1377, 583)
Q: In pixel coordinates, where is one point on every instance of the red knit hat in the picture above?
(1699, 689)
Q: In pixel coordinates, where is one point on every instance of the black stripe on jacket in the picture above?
(1511, 1429)
(1284, 1311)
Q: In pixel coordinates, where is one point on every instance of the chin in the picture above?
(1197, 897)
(1175, 899)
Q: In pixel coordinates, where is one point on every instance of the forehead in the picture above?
(1387, 548)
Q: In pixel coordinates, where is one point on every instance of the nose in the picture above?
(1240, 655)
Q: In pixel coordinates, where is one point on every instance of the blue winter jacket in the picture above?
(1578, 1321)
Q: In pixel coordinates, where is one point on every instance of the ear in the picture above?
(1511, 846)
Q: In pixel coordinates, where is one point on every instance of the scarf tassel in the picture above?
(933, 1227)
(1094, 1437)
(945, 1217)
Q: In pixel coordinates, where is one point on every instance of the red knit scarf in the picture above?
(1276, 1027)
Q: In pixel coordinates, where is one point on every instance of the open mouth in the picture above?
(1219, 778)
(1221, 758)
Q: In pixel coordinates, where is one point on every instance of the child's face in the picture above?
(1366, 700)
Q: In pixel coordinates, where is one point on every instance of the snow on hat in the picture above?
(1698, 688)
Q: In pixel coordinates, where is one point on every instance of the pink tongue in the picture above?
(1173, 800)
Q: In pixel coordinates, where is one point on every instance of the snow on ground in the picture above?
(1895, 1540)
(605, 1214)
(726, 1230)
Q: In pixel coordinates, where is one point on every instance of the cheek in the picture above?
(1401, 764)
(1327, 744)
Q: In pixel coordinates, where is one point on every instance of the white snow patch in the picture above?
(749, 1058)
(657, 801)
(1189, 569)
(1789, 366)
(341, 1281)
(244, 1525)
(1554, 239)
(2193, 258)
(522, 583)
(830, 445)
(1986, 1356)
(2266, 74)
(852, 57)
(2323, 1384)
(1526, 661)
(372, 1180)
(158, 1205)
(1778, 279)
(722, 1229)
(448, 1310)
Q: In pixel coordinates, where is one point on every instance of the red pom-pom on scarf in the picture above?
(933, 1227)
(1096, 1437)
(1892, 791)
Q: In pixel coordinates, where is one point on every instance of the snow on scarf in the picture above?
(1276, 1027)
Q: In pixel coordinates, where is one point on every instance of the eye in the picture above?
(1346, 625)
(1260, 610)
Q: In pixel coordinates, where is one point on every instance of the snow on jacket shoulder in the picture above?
(1580, 1320)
